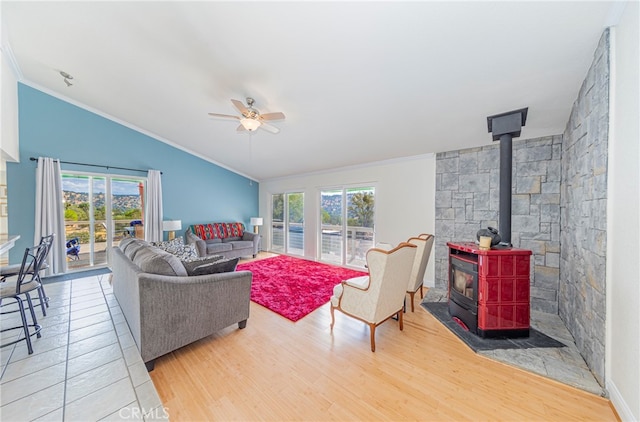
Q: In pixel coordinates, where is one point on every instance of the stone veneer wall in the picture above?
(468, 196)
(584, 213)
(558, 210)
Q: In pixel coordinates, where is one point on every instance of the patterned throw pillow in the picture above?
(217, 230)
(235, 229)
(208, 231)
(169, 244)
(178, 248)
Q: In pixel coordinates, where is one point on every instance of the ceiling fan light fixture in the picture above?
(250, 124)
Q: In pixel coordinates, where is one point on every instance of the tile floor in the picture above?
(85, 367)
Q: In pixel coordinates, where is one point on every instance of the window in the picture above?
(99, 210)
(295, 223)
(277, 223)
(287, 234)
(347, 225)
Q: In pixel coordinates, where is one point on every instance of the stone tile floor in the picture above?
(85, 367)
(563, 364)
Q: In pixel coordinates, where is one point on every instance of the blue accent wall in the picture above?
(193, 190)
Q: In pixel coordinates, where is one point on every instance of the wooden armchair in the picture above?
(375, 298)
(424, 243)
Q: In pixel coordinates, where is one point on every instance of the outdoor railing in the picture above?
(93, 251)
(359, 241)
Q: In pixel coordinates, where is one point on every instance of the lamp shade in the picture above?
(256, 221)
(171, 225)
(250, 124)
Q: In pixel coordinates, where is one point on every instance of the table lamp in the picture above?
(171, 226)
(256, 222)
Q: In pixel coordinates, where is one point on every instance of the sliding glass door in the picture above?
(277, 223)
(347, 225)
(99, 210)
(295, 223)
(287, 223)
(331, 230)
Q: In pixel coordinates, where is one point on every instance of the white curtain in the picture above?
(50, 212)
(153, 213)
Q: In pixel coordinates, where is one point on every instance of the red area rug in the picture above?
(294, 287)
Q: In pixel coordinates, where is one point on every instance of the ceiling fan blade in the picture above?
(224, 116)
(272, 116)
(240, 107)
(269, 128)
(240, 128)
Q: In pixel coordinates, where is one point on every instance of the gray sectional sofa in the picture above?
(165, 307)
(229, 240)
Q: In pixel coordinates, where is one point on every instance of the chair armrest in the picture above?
(361, 283)
(201, 245)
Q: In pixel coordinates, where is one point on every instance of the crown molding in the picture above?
(615, 13)
(10, 58)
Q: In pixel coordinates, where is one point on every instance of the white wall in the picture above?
(623, 214)
(404, 207)
(9, 150)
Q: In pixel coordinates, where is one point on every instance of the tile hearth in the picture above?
(84, 367)
(563, 364)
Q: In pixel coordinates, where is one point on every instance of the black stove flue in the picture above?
(505, 127)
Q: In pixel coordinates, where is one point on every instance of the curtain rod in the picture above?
(93, 165)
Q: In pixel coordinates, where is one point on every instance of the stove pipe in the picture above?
(505, 127)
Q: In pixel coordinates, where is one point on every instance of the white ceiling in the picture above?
(359, 82)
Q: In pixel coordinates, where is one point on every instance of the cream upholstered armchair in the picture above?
(379, 296)
(424, 243)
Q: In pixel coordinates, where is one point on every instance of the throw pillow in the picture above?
(224, 266)
(190, 265)
(169, 243)
(178, 248)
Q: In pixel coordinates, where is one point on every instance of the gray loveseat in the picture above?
(229, 240)
(166, 308)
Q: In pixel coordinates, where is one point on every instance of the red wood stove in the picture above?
(489, 289)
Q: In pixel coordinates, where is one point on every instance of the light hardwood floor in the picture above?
(278, 370)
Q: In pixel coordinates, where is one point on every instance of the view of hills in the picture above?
(119, 202)
(333, 204)
(330, 203)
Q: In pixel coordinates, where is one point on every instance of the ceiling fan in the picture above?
(251, 119)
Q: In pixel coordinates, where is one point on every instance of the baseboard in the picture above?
(620, 405)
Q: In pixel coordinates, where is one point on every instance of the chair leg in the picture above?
(33, 315)
(332, 318)
(412, 294)
(421, 292)
(372, 330)
(43, 300)
(25, 325)
(44, 294)
(400, 320)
